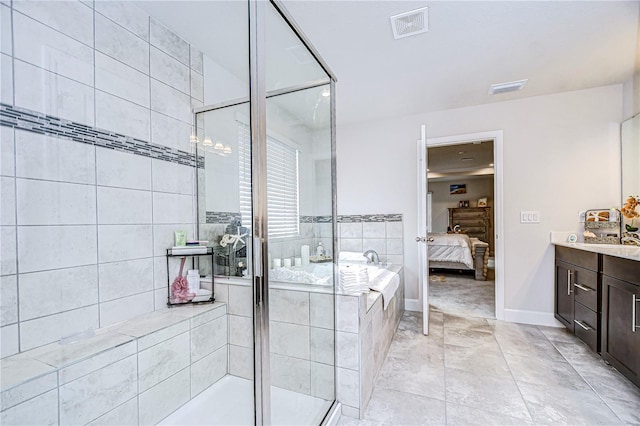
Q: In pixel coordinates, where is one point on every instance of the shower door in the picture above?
(266, 200)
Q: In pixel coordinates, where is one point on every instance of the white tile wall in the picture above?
(169, 70)
(8, 250)
(51, 50)
(50, 292)
(78, 239)
(291, 373)
(208, 370)
(53, 247)
(120, 44)
(121, 80)
(240, 331)
(289, 339)
(289, 306)
(6, 75)
(170, 132)
(81, 401)
(7, 150)
(50, 158)
(53, 94)
(8, 300)
(172, 177)
(123, 206)
(125, 414)
(8, 205)
(161, 400)
(162, 361)
(171, 102)
(124, 242)
(41, 410)
(34, 333)
(126, 14)
(386, 238)
(69, 17)
(167, 41)
(6, 32)
(115, 311)
(9, 343)
(128, 118)
(122, 170)
(55, 203)
(121, 279)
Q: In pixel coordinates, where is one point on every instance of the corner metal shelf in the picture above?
(170, 255)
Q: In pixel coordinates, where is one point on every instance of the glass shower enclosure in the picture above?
(266, 204)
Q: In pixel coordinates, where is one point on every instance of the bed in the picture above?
(458, 251)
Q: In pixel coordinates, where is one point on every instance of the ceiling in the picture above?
(557, 45)
(453, 161)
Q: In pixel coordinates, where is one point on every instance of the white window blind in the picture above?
(282, 185)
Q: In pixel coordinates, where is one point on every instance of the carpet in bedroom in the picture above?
(462, 295)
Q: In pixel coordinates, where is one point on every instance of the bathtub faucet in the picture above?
(372, 257)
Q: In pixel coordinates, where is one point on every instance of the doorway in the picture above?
(465, 203)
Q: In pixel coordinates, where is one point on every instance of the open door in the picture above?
(423, 238)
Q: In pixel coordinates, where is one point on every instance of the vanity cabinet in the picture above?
(621, 315)
(577, 294)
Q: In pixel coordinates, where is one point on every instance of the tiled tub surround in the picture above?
(301, 330)
(364, 331)
(93, 192)
(136, 372)
(382, 233)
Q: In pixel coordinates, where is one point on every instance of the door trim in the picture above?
(498, 188)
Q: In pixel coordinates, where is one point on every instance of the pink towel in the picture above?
(180, 287)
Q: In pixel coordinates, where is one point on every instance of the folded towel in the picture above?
(354, 279)
(386, 283)
(352, 256)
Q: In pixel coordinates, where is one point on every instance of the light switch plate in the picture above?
(530, 217)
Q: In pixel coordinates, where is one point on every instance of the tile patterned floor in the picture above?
(477, 371)
(462, 294)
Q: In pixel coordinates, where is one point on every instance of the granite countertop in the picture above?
(617, 250)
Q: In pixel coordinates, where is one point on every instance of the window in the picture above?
(282, 184)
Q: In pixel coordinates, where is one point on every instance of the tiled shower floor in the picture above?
(477, 371)
(230, 402)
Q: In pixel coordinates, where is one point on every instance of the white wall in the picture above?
(442, 200)
(561, 155)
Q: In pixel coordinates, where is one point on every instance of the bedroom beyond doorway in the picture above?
(461, 228)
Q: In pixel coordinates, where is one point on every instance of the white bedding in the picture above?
(450, 248)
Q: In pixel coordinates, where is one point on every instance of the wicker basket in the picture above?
(602, 240)
(601, 225)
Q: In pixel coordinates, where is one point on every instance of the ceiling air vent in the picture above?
(511, 86)
(410, 23)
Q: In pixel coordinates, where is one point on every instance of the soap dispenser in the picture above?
(320, 250)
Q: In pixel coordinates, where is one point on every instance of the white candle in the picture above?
(298, 261)
(277, 263)
(287, 262)
(304, 252)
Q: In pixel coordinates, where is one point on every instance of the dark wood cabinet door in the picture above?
(564, 295)
(620, 343)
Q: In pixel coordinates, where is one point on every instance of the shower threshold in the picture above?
(229, 401)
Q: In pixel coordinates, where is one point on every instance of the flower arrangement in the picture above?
(631, 210)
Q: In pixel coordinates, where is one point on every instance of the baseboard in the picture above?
(414, 305)
(531, 317)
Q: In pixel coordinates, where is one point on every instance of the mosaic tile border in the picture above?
(228, 217)
(222, 217)
(370, 218)
(32, 121)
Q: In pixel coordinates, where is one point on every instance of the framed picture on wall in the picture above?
(460, 188)
(482, 202)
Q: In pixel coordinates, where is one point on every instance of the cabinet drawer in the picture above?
(469, 222)
(581, 258)
(586, 325)
(473, 229)
(622, 269)
(585, 287)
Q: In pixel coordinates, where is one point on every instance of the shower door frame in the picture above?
(258, 122)
(258, 105)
